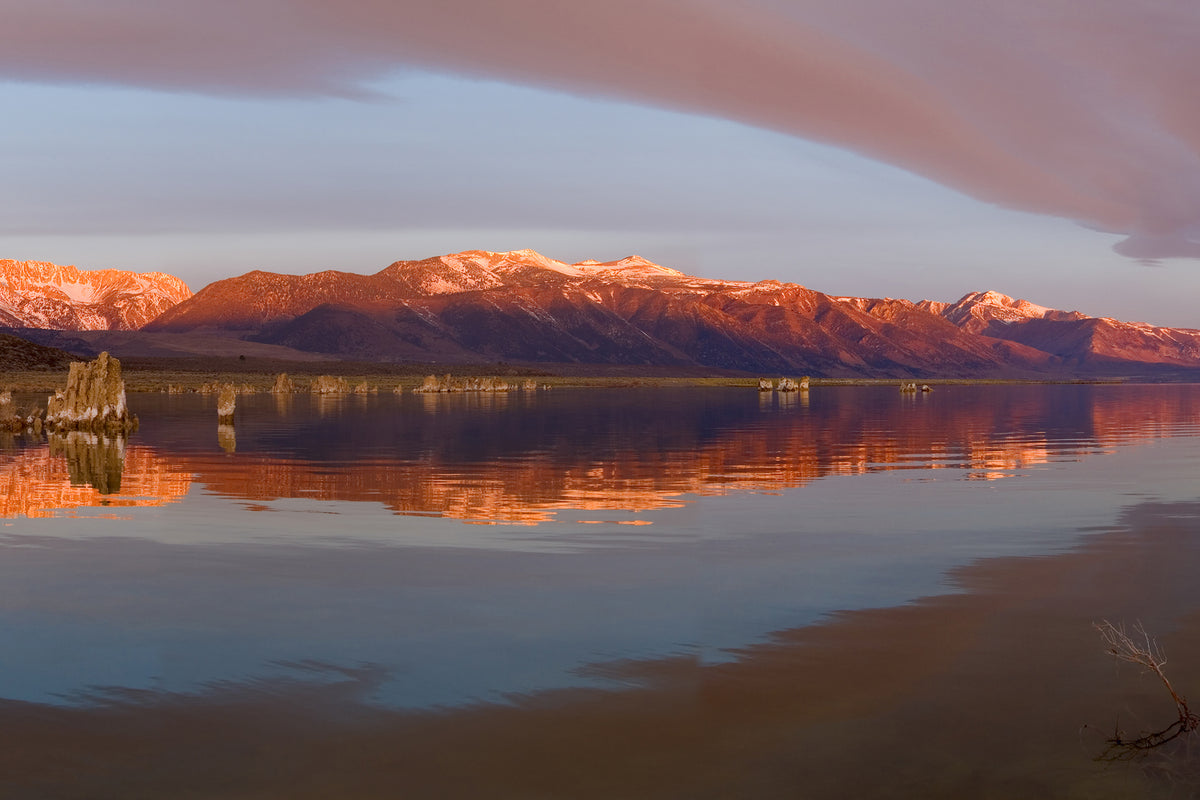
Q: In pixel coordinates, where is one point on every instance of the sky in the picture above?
(1046, 149)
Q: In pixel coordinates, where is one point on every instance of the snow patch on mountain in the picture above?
(38, 294)
(517, 262)
(975, 311)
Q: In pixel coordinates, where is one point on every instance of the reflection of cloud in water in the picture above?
(82, 470)
(797, 715)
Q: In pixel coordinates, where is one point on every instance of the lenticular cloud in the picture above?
(1074, 108)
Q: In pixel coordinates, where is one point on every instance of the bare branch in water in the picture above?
(1138, 647)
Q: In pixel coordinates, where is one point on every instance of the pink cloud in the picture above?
(1083, 109)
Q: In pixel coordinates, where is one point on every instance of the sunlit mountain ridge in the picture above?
(523, 307)
(38, 294)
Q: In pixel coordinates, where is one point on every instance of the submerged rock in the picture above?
(94, 399)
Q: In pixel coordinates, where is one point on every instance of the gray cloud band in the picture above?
(1070, 108)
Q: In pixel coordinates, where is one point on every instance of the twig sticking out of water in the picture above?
(1138, 647)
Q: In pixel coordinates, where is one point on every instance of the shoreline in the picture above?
(1024, 710)
(159, 381)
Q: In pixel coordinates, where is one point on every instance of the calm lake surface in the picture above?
(616, 593)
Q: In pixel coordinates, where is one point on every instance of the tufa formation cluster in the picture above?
(94, 400)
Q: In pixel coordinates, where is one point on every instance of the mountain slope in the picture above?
(37, 294)
(522, 306)
(1082, 342)
(978, 312)
(20, 354)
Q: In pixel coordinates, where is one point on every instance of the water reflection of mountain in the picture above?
(82, 470)
(519, 458)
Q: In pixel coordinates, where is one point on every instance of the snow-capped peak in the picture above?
(509, 261)
(991, 298)
(975, 311)
(531, 258)
(39, 294)
(516, 261)
(629, 266)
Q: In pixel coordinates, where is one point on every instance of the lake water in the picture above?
(615, 593)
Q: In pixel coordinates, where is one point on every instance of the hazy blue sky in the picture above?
(720, 138)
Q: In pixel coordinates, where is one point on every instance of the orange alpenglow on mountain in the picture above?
(522, 307)
(36, 294)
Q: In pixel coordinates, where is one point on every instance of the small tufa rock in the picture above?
(787, 385)
(94, 399)
(448, 383)
(430, 384)
(764, 385)
(366, 388)
(804, 383)
(530, 385)
(283, 384)
(226, 404)
(493, 385)
(328, 384)
(10, 420)
(16, 420)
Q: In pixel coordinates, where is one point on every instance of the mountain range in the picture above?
(37, 294)
(522, 307)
